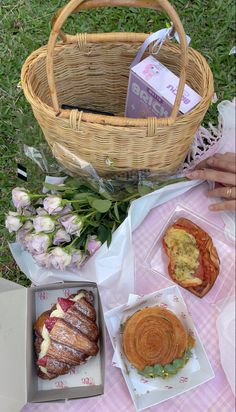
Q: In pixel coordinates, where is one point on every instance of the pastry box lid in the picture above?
(13, 309)
(18, 384)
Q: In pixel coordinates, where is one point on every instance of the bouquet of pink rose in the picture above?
(64, 227)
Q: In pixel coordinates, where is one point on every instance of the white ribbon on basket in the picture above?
(159, 38)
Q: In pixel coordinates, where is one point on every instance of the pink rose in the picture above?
(92, 244)
(44, 224)
(28, 211)
(13, 222)
(77, 258)
(41, 211)
(59, 258)
(53, 204)
(42, 259)
(66, 209)
(72, 224)
(20, 197)
(38, 243)
(61, 236)
(22, 233)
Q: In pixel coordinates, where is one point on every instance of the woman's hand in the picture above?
(220, 168)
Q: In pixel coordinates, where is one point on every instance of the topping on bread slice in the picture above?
(193, 260)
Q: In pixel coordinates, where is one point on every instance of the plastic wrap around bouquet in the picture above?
(109, 265)
(64, 227)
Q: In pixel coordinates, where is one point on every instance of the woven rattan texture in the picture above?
(95, 75)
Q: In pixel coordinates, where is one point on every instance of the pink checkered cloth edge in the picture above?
(213, 396)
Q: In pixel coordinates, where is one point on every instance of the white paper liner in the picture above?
(146, 392)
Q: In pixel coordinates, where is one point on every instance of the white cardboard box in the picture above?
(18, 377)
(145, 392)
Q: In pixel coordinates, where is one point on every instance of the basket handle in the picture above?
(77, 5)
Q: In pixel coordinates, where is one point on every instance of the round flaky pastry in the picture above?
(153, 336)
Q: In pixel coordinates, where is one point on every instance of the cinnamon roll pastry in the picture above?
(154, 336)
(66, 335)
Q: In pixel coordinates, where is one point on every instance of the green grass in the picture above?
(25, 26)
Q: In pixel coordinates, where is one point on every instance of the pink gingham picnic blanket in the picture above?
(213, 396)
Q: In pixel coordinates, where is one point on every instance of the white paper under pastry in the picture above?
(148, 392)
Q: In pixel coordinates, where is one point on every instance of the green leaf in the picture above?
(158, 370)
(68, 194)
(91, 198)
(109, 237)
(144, 190)
(101, 205)
(114, 226)
(116, 211)
(178, 363)
(74, 182)
(58, 188)
(130, 189)
(105, 195)
(76, 206)
(124, 207)
(93, 223)
(170, 369)
(102, 233)
(148, 370)
(81, 196)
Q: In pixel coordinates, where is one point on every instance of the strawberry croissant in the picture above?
(66, 335)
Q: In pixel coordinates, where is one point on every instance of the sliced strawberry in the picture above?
(42, 361)
(50, 322)
(65, 303)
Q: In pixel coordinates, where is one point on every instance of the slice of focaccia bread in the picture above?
(193, 260)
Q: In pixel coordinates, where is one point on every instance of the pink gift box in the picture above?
(152, 90)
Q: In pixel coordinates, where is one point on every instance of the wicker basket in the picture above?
(92, 70)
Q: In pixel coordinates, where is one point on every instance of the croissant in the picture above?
(193, 259)
(66, 335)
(152, 336)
